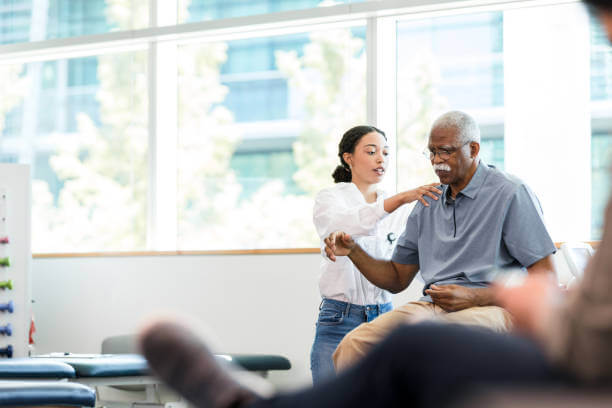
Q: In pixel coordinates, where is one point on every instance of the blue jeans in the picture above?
(335, 320)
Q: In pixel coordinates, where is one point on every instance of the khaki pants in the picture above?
(360, 340)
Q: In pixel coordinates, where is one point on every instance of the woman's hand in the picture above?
(429, 190)
(338, 244)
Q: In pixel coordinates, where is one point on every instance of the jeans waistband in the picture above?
(348, 307)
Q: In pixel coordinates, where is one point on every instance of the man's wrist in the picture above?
(483, 296)
(353, 251)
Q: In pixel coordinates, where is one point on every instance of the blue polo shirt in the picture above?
(494, 222)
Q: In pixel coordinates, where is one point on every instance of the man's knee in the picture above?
(349, 350)
(359, 341)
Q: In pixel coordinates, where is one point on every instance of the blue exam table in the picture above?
(41, 393)
(76, 373)
(32, 382)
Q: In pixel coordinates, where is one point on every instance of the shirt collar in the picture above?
(482, 170)
(470, 191)
(380, 193)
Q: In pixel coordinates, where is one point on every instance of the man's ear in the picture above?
(474, 149)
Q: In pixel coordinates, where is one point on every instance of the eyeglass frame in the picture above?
(440, 152)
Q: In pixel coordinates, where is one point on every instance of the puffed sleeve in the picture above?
(331, 213)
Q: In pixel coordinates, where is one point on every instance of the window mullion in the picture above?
(381, 90)
(162, 219)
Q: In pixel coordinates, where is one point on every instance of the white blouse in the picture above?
(343, 208)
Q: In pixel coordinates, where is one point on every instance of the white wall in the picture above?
(255, 303)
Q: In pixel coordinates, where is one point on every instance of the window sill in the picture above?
(177, 253)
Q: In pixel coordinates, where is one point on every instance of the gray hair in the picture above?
(464, 123)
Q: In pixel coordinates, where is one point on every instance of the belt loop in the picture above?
(321, 304)
(348, 308)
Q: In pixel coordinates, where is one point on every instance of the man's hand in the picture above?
(452, 298)
(338, 244)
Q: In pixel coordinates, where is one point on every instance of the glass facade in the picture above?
(258, 119)
(87, 150)
(601, 124)
(456, 63)
(35, 20)
(202, 10)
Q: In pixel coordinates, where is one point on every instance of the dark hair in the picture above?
(601, 4)
(351, 137)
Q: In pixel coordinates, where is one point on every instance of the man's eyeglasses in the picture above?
(443, 154)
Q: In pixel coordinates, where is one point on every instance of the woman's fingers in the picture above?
(432, 195)
(330, 254)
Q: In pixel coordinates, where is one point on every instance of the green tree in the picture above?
(207, 187)
(13, 88)
(331, 76)
(102, 204)
(418, 105)
(211, 214)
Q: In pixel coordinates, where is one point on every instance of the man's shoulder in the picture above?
(502, 181)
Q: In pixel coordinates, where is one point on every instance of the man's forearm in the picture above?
(483, 297)
(381, 273)
(544, 265)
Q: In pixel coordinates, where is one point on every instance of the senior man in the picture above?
(485, 219)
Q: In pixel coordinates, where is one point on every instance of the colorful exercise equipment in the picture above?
(7, 351)
(7, 307)
(6, 330)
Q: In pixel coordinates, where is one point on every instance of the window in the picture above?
(35, 20)
(448, 63)
(84, 133)
(201, 10)
(179, 136)
(524, 75)
(601, 124)
(250, 155)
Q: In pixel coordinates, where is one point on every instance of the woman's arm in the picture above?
(419, 193)
(332, 214)
(385, 274)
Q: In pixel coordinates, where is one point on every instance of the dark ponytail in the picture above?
(342, 174)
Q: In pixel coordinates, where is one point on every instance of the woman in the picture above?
(357, 206)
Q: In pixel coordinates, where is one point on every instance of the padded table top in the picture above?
(258, 362)
(35, 368)
(101, 365)
(123, 365)
(37, 393)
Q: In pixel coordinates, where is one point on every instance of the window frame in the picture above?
(164, 36)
